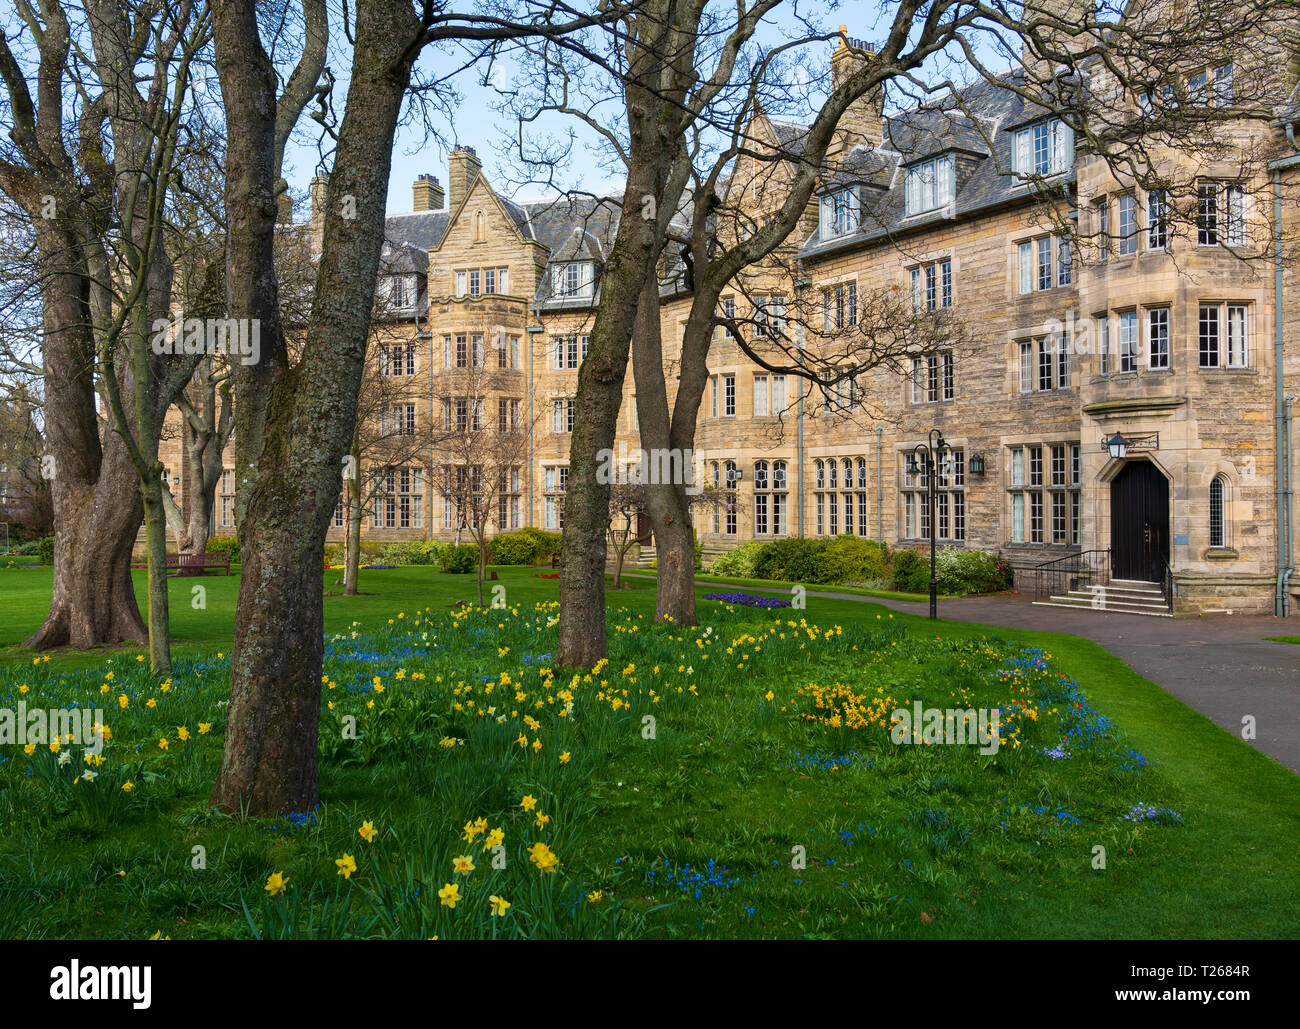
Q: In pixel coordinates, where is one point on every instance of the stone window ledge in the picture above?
(1221, 554)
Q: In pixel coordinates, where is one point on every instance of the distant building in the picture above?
(934, 202)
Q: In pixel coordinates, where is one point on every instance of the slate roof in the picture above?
(574, 228)
(422, 229)
(975, 124)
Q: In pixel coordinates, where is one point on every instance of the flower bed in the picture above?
(747, 600)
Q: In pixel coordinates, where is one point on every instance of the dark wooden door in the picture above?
(1139, 522)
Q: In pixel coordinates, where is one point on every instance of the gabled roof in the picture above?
(791, 136)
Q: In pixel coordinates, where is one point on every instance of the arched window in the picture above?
(1218, 519)
(762, 495)
(480, 232)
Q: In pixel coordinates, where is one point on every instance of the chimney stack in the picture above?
(284, 208)
(462, 166)
(428, 193)
(319, 184)
(862, 124)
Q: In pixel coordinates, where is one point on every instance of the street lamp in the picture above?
(1117, 445)
(925, 459)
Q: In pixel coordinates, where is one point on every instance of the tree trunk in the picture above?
(295, 424)
(269, 765)
(94, 599)
(203, 468)
(352, 559)
(482, 563)
(93, 485)
(665, 502)
(155, 516)
(631, 265)
(675, 552)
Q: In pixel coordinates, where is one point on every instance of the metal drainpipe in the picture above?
(1285, 569)
(1289, 522)
(532, 331)
(799, 284)
(880, 492)
(428, 514)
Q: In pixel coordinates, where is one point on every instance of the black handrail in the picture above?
(1166, 579)
(1059, 576)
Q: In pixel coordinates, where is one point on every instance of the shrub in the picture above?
(46, 548)
(789, 560)
(959, 571)
(738, 563)
(413, 552)
(32, 548)
(515, 548)
(911, 574)
(528, 546)
(224, 545)
(851, 559)
(699, 551)
(548, 543)
(460, 560)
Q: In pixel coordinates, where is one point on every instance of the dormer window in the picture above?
(400, 290)
(841, 213)
(573, 279)
(930, 185)
(1044, 148)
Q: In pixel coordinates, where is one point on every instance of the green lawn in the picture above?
(909, 841)
(786, 587)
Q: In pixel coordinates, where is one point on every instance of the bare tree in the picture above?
(54, 165)
(385, 440)
(295, 418)
(482, 452)
(666, 72)
(1082, 64)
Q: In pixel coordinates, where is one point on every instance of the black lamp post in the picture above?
(925, 460)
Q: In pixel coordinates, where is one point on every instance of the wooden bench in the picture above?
(199, 564)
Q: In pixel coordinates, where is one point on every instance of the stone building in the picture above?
(1080, 310)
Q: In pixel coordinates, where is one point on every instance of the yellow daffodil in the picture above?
(542, 856)
(449, 895)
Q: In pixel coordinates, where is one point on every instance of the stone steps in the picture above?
(1119, 597)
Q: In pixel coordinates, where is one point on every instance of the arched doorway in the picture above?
(1139, 522)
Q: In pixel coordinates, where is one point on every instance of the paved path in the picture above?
(1218, 664)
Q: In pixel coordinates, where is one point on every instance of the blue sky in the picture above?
(477, 122)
